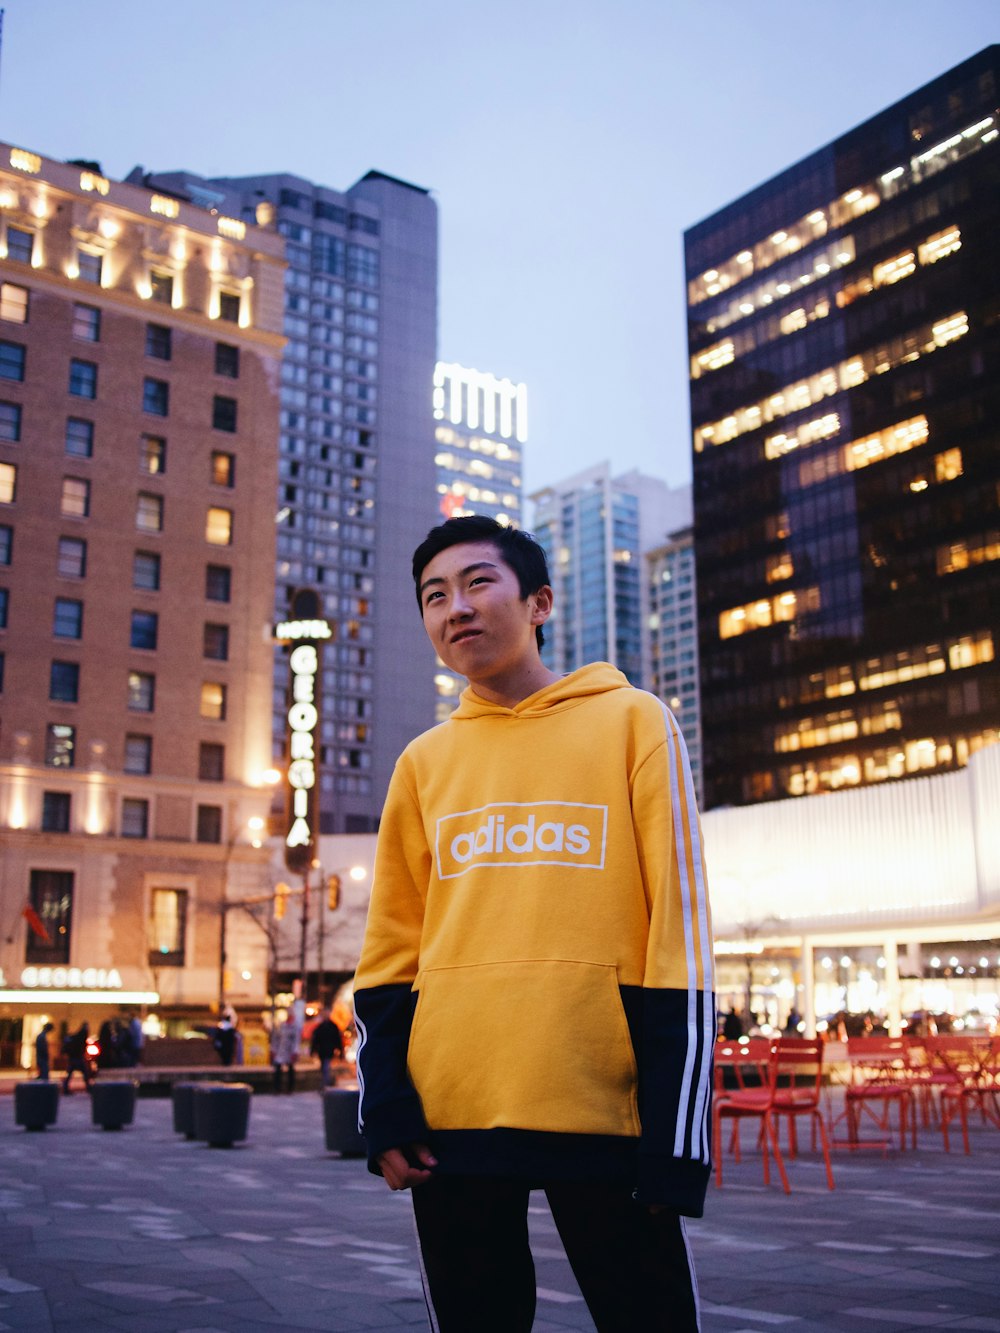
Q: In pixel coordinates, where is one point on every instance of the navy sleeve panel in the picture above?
(669, 1031)
(390, 1114)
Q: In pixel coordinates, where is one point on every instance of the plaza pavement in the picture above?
(146, 1232)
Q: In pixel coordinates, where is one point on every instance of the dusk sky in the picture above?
(568, 146)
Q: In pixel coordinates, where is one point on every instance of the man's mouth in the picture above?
(464, 635)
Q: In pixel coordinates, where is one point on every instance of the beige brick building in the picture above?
(140, 346)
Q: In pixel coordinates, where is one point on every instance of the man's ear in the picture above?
(542, 605)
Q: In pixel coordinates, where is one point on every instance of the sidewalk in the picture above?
(144, 1232)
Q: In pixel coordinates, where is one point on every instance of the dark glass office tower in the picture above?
(844, 337)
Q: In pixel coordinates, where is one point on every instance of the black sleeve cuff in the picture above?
(673, 1182)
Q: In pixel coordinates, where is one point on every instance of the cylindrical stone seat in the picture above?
(182, 1096)
(340, 1121)
(36, 1104)
(221, 1113)
(112, 1103)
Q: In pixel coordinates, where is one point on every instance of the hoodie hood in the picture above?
(596, 678)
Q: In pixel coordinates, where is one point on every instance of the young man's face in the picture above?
(474, 613)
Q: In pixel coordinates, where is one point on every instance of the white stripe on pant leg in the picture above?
(693, 1272)
(432, 1322)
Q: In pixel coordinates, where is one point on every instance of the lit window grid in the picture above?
(854, 202)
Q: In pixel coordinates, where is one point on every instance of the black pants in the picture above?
(632, 1266)
(289, 1074)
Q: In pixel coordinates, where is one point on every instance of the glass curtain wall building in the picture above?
(356, 487)
(672, 637)
(844, 337)
(595, 530)
(481, 427)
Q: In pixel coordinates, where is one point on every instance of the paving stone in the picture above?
(147, 1232)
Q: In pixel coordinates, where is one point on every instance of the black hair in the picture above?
(518, 550)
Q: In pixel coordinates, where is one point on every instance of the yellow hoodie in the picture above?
(534, 995)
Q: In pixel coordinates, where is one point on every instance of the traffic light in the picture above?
(333, 892)
(280, 900)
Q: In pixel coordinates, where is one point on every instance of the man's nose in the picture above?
(459, 605)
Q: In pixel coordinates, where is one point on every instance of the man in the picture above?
(43, 1057)
(77, 1059)
(534, 996)
(326, 1041)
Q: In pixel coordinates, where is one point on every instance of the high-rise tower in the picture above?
(357, 476)
(844, 335)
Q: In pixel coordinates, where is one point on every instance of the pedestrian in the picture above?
(224, 1040)
(732, 1025)
(326, 1042)
(138, 1037)
(534, 996)
(284, 1052)
(77, 1059)
(108, 1035)
(43, 1057)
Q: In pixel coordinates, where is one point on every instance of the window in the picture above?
(211, 761)
(82, 379)
(20, 244)
(216, 642)
(4, 606)
(144, 630)
(149, 512)
(156, 397)
(218, 583)
(152, 455)
(51, 893)
(75, 500)
(8, 483)
(55, 811)
(227, 361)
(167, 927)
(91, 266)
(141, 691)
(79, 437)
(223, 469)
(10, 421)
(60, 744)
(158, 341)
(86, 323)
(138, 753)
(213, 701)
(71, 562)
(67, 619)
(135, 818)
(209, 823)
(146, 570)
(6, 543)
(219, 526)
(13, 303)
(229, 307)
(161, 288)
(64, 682)
(12, 361)
(224, 413)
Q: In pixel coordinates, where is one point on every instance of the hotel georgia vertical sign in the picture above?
(304, 634)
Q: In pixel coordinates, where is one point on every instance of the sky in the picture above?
(568, 147)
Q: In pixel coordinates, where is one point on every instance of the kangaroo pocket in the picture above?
(524, 1045)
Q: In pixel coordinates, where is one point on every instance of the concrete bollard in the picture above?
(112, 1103)
(340, 1121)
(36, 1104)
(221, 1113)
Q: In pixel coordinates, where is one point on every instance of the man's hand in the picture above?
(398, 1172)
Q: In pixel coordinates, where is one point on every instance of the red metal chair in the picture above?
(792, 1089)
(881, 1075)
(963, 1069)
